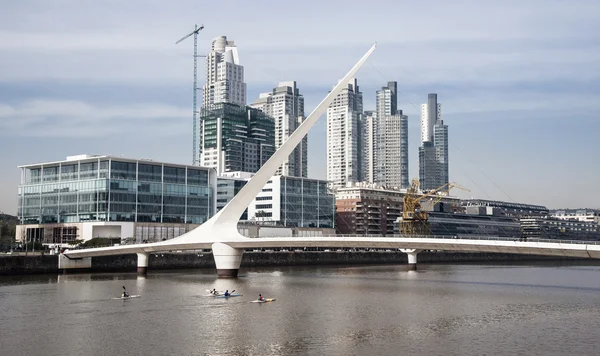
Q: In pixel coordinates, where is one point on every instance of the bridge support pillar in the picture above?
(142, 263)
(227, 260)
(412, 258)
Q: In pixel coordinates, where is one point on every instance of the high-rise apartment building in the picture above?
(285, 105)
(344, 136)
(386, 141)
(430, 113)
(433, 153)
(235, 138)
(392, 162)
(224, 75)
(370, 142)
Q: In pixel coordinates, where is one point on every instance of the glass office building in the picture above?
(294, 202)
(94, 188)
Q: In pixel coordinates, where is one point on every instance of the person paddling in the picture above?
(260, 297)
(227, 293)
(125, 294)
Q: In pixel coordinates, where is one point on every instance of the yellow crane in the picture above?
(414, 217)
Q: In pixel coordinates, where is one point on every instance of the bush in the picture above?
(98, 242)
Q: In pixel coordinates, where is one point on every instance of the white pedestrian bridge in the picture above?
(228, 255)
(220, 233)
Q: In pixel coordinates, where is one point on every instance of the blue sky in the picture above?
(519, 81)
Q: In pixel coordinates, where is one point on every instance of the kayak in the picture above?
(131, 296)
(231, 295)
(266, 300)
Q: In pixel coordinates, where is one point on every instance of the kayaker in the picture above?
(214, 291)
(125, 294)
(227, 293)
(260, 297)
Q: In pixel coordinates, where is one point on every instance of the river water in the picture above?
(366, 310)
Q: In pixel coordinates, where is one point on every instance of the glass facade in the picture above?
(306, 203)
(247, 137)
(111, 189)
(227, 188)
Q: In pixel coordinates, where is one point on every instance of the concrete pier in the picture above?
(227, 260)
(412, 258)
(142, 263)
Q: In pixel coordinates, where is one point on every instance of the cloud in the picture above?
(68, 118)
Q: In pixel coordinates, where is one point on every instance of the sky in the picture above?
(519, 81)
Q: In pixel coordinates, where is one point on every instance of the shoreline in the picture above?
(48, 264)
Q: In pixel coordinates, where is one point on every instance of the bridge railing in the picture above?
(445, 237)
(469, 237)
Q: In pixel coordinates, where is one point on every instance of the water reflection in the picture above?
(335, 310)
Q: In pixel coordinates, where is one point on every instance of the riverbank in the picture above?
(38, 264)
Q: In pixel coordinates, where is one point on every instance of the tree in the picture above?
(96, 242)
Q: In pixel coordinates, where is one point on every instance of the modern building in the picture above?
(344, 136)
(294, 202)
(235, 138)
(546, 227)
(285, 105)
(224, 75)
(89, 196)
(589, 215)
(387, 99)
(228, 186)
(510, 209)
(370, 143)
(433, 153)
(480, 224)
(392, 155)
(367, 209)
(429, 167)
(386, 133)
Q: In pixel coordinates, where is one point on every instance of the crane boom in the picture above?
(195, 32)
(414, 219)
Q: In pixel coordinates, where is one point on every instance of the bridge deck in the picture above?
(533, 247)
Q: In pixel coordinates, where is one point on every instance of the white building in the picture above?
(430, 113)
(587, 215)
(370, 146)
(285, 105)
(344, 131)
(224, 75)
(294, 202)
(391, 140)
(392, 162)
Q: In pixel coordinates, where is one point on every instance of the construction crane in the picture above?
(414, 218)
(195, 33)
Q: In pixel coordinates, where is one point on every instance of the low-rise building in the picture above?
(228, 185)
(589, 215)
(370, 209)
(480, 224)
(294, 202)
(511, 209)
(89, 196)
(367, 209)
(554, 228)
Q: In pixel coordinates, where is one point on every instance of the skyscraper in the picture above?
(392, 162)
(344, 136)
(370, 142)
(430, 113)
(224, 75)
(235, 138)
(433, 153)
(386, 141)
(285, 105)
